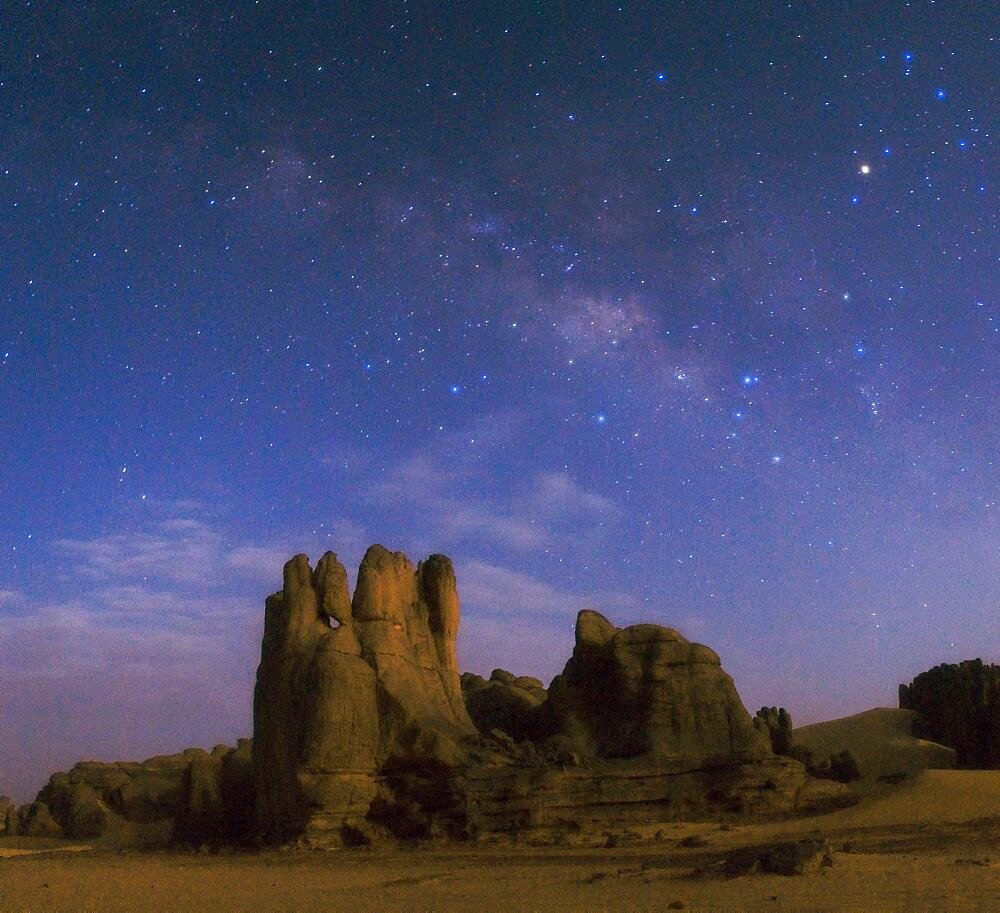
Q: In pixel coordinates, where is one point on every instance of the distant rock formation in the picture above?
(958, 706)
(191, 797)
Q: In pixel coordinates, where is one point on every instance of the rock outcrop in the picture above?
(360, 730)
(645, 691)
(958, 706)
(777, 723)
(364, 730)
(355, 700)
(505, 702)
(194, 796)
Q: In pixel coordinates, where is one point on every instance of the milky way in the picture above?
(683, 311)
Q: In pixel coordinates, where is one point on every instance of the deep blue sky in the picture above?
(687, 312)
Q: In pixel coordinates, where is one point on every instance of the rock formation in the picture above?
(777, 723)
(364, 730)
(958, 706)
(645, 691)
(360, 729)
(505, 703)
(350, 692)
(193, 797)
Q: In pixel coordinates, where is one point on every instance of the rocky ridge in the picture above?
(364, 730)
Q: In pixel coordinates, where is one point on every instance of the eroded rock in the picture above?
(646, 691)
(351, 690)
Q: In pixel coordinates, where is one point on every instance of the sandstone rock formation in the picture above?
(360, 729)
(352, 693)
(958, 706)
(193, 797)
(363, 730)
(777, 723)
(645, 691)
(504, 702)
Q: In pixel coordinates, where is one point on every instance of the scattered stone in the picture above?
(793, 857)
(694, 840)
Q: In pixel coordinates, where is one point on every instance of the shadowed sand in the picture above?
(930, 843)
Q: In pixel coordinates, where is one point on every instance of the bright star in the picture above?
(866, 169)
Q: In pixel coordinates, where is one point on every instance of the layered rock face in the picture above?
(350, 693)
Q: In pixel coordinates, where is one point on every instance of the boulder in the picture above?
(504, 702)
(788, 857)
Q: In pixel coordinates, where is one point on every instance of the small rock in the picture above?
(793, 857)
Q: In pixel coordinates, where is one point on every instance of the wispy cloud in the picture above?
(446, 493)
(521, 622)
(144, 642)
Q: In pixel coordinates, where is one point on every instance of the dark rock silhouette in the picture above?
(504, 702)
(777, 723)
(958, 705)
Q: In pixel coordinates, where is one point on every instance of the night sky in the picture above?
(686, 312)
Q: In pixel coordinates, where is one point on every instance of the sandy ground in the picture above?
(932, 843)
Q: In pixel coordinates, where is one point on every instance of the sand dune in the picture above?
(880, 741)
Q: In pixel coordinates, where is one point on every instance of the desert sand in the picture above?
(929, 843)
